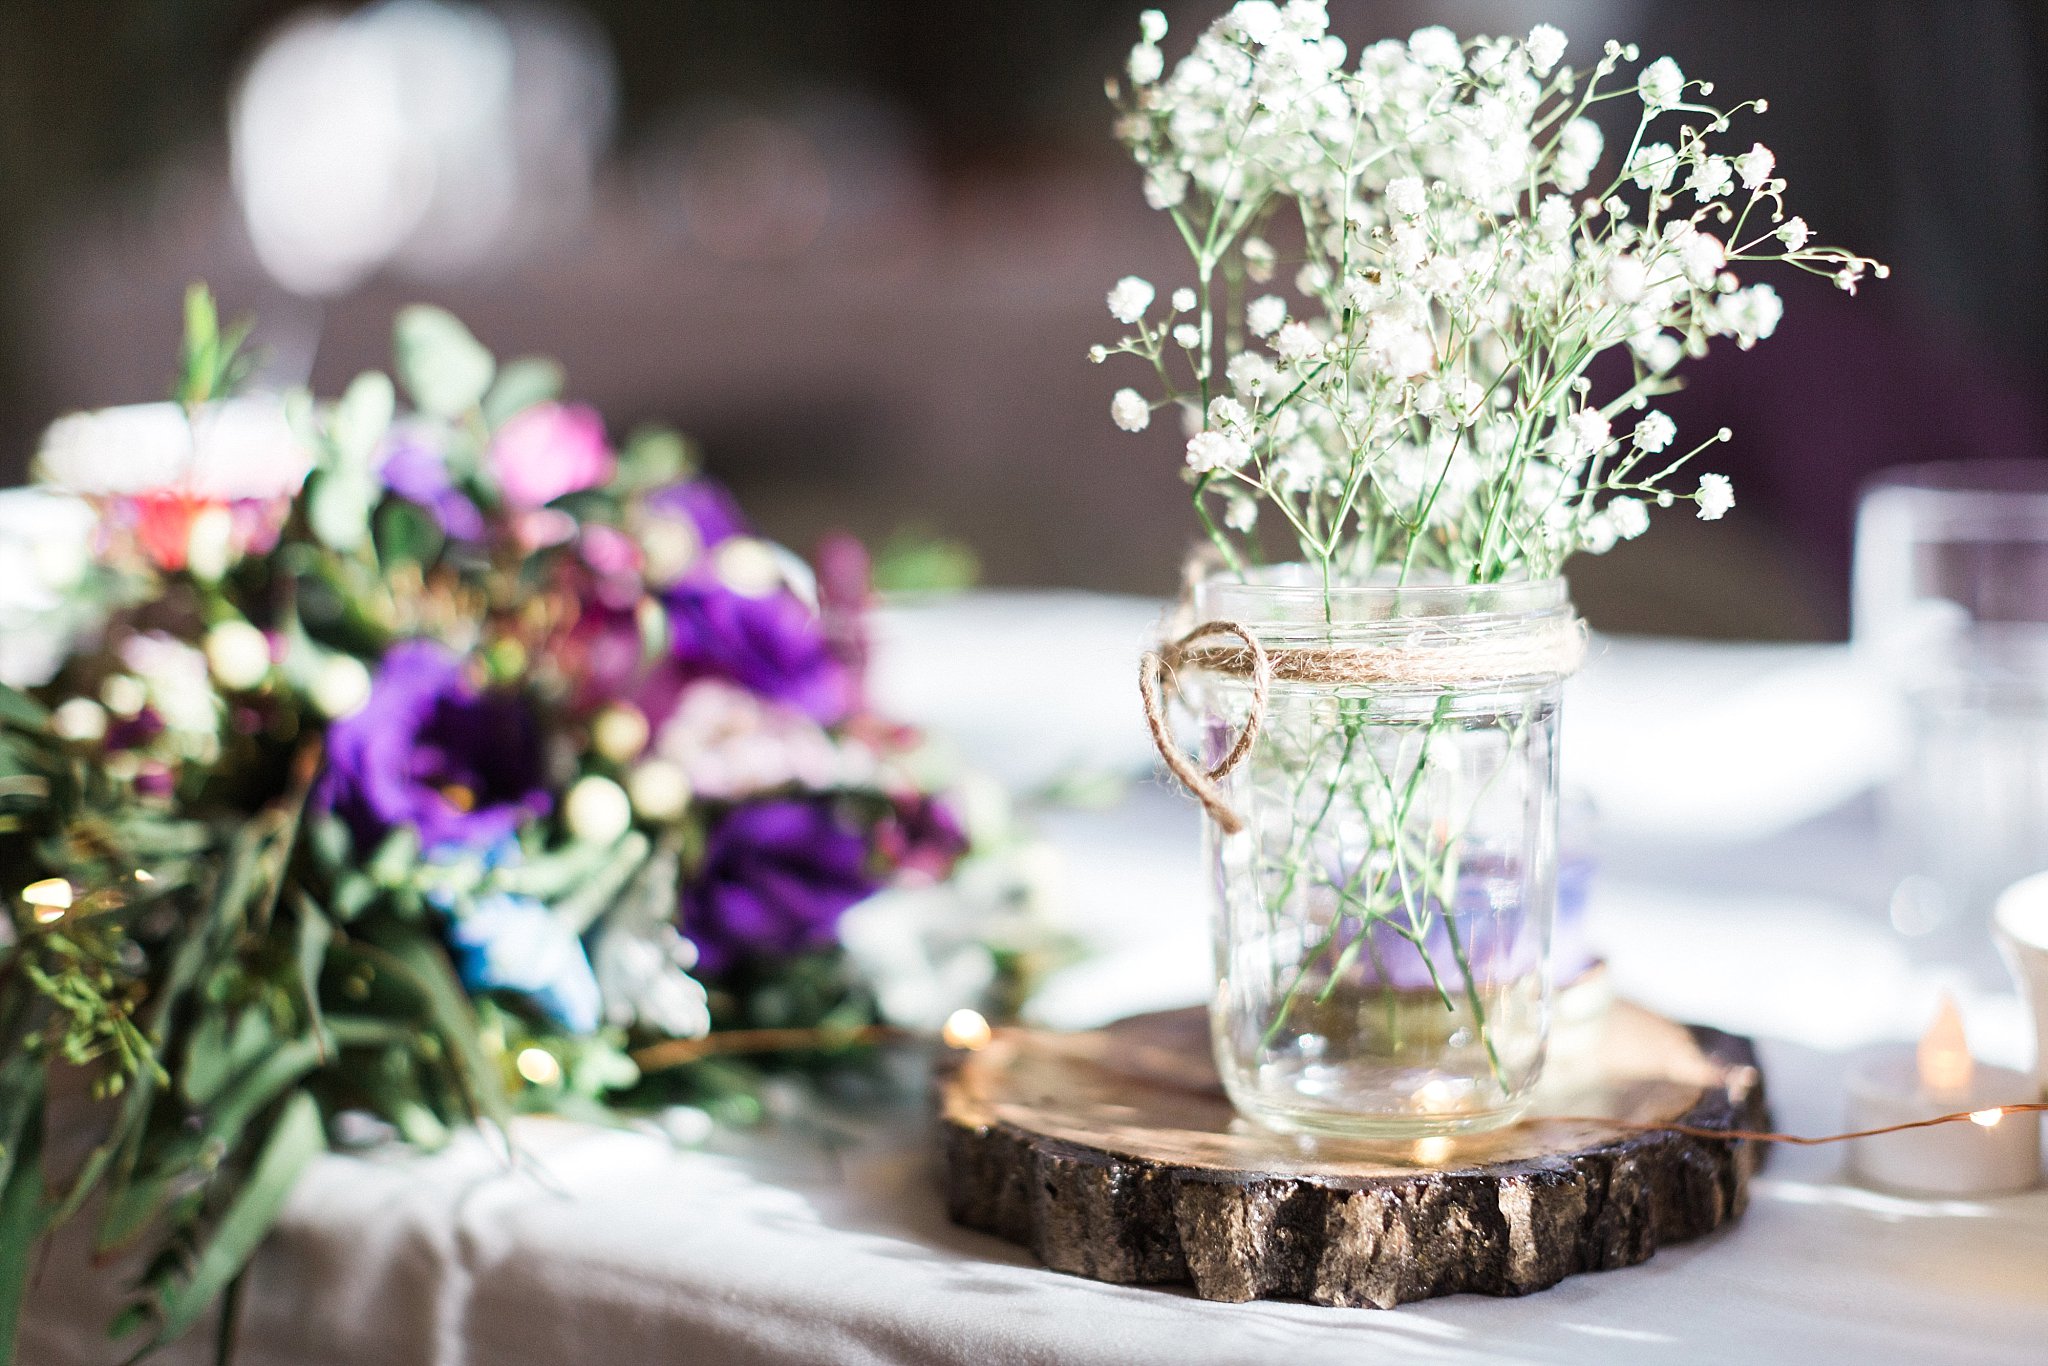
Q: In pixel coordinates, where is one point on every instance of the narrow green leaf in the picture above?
(454, 1019)
(316, 932)
(21, 1218)
(293, 1142)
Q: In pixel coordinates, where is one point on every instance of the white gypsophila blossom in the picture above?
(1151, 25)
(1626, 279)
(1597, 534)
(1184, 300)
(1265, 314)
(1546, 47)
(228, 450)
(1228, 415)
(1240, 512)
(1424, 400)
(1748, 315)
(1653, 166)
(1662, 84)
(1259, 260)
(1216, 451)
(1250, 374)
(1716, 495)
(1554, 217)
(1129, 410)
(1630, 517)
(1655, 432)
(1578, 152)
(1755, 166)
(1712, 177)
(1437, 47)
(1129, 299)
(1296, 342)
(1590, 432)
(1165, 188)
(1702, 256)
(1147, 63)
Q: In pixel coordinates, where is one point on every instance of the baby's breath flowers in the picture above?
(1462, 246)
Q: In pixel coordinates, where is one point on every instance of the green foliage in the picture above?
(211, 363)
(342, 492)
(914, 560)
(444, 368)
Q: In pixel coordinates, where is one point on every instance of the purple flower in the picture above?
(462, 767)
(776, 877)
(705, 505)
(773, 646)
(414, 470)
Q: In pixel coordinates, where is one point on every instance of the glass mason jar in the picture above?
(1383, 920)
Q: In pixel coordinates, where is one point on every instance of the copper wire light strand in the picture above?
(1802, 1140)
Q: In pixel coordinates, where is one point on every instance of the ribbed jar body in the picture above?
(1383, 921)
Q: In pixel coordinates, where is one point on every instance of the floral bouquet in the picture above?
(1405, 266)
(369, 770)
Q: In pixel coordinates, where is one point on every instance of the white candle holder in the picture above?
(1995, 1153)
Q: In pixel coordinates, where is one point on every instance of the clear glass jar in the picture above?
(1383, 921)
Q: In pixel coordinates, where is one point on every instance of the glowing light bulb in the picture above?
(1985, 1119)
(538, 1066)
(50, 898)
(1945, 1066)
(966, 1029)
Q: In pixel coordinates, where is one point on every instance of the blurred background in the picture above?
(858, 248)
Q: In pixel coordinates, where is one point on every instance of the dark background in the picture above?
(859, 248)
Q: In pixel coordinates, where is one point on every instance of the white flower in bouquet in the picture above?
(642, 963)
(45, 546)
(229, 450)
(1461, 248)
(727, 742)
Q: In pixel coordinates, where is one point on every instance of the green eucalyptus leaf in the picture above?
(360, 419)
(521, 384)
(445, 368)
(408, 532)
(19, 709)
(292, 1143)
(345, 490)
(654, 457)
(396, 857)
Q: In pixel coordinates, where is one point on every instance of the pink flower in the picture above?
(549, 450)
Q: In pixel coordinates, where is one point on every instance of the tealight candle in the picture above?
(1992, 1154)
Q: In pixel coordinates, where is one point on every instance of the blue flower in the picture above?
(505, 942)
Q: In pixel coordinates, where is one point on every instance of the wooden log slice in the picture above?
(1116, 1155)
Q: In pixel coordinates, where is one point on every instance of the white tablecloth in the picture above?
(1741, 885)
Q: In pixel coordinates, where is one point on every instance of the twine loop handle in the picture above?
(1551, 648)
(1155, 680)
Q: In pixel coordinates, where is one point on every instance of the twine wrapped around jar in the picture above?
(1428, 656)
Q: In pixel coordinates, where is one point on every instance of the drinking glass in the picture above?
(1951, 604)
